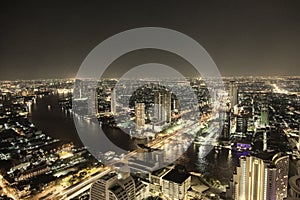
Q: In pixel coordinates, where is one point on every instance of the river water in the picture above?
(48, 116)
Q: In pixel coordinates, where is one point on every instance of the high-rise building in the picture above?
(92, 98)
(233, 94)
(225, 134)
(242, 123)
(113, 101)
(162, 106)
(298, 145)
(84, 99)
(264, 113)
(113, 187)
(6, 98)
(139, 114)
(265, 142)
(176, 105)
(261, 178)
(282, 169)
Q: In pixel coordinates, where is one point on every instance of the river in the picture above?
(48, 116)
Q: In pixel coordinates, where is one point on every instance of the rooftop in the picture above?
(108, 176)
(177, 175)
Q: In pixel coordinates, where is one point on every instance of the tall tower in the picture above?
(166, 104)
(265, 143)
(92, 97)
(176, 105)
(282, 169)
(113, 101)
(84, 98)
(242, 123)
(157, 105)
(139, 114)
(162, 106)
(264, 113)
(261, 179)
(233, 93)
(226, 125)
(299, 137)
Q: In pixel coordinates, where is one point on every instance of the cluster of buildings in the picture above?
(161, 114)
(26, 153)
(261, 120)
(172, 182)
(261, 176)
(260, 124)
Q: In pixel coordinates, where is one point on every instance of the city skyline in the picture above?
(173, 149)
(144, 100)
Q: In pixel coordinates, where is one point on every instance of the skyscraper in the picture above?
(84, 98)
(265, 142)
(162, 106)
(242, 123)
(298, 145)
(233, 94)
(113, 101)
(261, 177)
(176, 105)
(139, 114)
(264, 115)
(92, 98)
(282, 168)
(225, 122)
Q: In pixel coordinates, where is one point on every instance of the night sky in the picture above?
(50, 39)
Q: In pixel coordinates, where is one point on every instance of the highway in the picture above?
(65, 193)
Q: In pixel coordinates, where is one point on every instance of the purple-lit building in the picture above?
(243, 146)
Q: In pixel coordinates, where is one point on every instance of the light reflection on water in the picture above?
(59, 123)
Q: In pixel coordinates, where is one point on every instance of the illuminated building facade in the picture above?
(113, 187)
(233, 93)
(139, 115)
(162, 106)
(261, 179)
(113, 101)
(264, 116)
(176, 183)
(84, 98)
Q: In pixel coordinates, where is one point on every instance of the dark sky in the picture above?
(40, 39)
